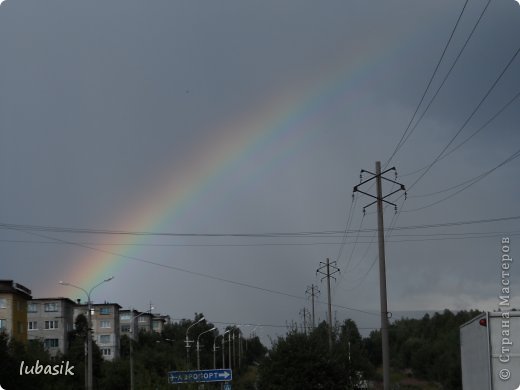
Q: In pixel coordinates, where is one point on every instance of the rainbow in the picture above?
(274, 126)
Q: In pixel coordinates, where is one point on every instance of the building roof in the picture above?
(102, 304)
(8, 286)
(68, 300)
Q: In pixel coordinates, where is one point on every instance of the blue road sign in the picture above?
(227, 386)
(219, 375)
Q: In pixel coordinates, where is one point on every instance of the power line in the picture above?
(467, 236)
(402, 139)
(472, 182)
(448, 73)
(195, 273)
(436, 159)
(347, 227)
(502, 109)
(328, 233)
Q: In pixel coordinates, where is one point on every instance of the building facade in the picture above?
(159, 321)
(50, 320)
(105, 327)
(13, 309)
(128, 321)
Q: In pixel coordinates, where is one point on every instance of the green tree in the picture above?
(301, 361)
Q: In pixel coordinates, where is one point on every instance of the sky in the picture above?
(205, 154)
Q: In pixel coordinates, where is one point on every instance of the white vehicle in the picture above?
(490, 352)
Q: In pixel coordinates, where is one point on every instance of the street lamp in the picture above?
(198, 345)
(229, 344)
(188, 341)
(132, 324)
(233, 335)
(215, 352)
(89, 331)
(223, 349)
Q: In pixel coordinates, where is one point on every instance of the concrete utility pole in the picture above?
(313, 292)
(379, 199)
(328, 274)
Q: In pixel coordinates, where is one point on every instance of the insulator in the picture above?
(405, 195)
(395, 208)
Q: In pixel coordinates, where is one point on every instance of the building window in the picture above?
(106, 351)
(51, 324)
(53, 306)
(3, 303)
(104, 339)
(125, 328)
(3, 324)
(51, 343)
(143, 319)
(125, 317)
(104, 324)
(156, 325)
(32, 307)
(32, 325)
(105, 310)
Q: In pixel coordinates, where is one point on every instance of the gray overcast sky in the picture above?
(254, 117)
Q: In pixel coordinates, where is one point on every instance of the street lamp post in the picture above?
(132, 322)
(223, 349)
(198, 345)
(234, 353)
(89, 330)
(229, 343)
(188, 341)
(215, 352)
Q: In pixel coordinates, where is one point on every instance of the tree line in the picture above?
(154, 355)
(426, 350)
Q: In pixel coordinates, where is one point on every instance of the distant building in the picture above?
(13, 309)
(105, 327)
(141, 321)
(144, 322)
(50, 320)
(159, 321)
(128, 322)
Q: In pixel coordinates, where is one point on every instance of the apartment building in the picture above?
(50, 320)
(128, 321)
(133, 320)
(105, 326)
(13, 309)
(159, 321)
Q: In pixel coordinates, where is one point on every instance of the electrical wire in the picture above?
(448, 73)
(436, 159)
(502, 109)
(474, 181)
(329, 233)
(401, 140)
(194, 273)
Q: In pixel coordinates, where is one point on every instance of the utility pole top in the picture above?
(330, 269)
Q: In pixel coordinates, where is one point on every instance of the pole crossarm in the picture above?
(331, 271)
(382, 198)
